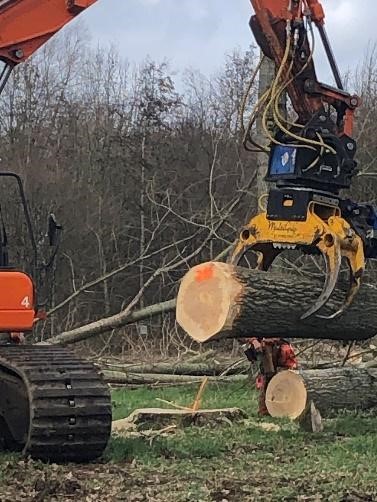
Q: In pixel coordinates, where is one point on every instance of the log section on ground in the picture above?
(218, 300)
(332, 389)
(286, 395)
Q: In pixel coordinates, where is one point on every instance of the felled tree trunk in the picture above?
(212, 368)
(117, 377)
(289, 393)
(218, 300)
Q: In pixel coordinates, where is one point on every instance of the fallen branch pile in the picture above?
(331, 389)
(189, 371)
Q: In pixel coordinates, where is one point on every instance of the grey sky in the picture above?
(197, 33)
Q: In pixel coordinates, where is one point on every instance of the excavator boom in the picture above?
(28, 24)
(25, 25)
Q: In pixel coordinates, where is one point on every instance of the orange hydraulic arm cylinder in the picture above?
(269, 27)
(291, 9)
(269, 24)
(25, 25)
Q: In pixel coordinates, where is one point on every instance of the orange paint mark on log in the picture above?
(204, 273)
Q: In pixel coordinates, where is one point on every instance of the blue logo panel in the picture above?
(283, 160)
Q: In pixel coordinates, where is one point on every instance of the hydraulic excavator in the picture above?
(55, 406)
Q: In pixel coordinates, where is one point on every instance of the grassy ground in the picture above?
(229, 463)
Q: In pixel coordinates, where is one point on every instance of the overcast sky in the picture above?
(197, 33)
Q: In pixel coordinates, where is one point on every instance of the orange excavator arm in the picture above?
(269, 24)
(25, 25)
(28, 24)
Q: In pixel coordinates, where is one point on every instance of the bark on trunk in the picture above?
(117, 377)
(342, 388)
(218, 300)
(198, 369)
(330, 390)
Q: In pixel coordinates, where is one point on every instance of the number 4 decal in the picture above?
(25, 302)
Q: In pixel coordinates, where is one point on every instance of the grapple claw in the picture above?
(354, 288)
(329, 233)
(353, 258)
(330, 249)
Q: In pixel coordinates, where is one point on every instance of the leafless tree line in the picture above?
(148, 177)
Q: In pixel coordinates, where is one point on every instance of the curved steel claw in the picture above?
(333, 237)
(332, 257)
(351, 293)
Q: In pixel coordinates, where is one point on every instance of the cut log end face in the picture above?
(286, 395)
(204, 300)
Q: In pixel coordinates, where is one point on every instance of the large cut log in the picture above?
(218, 300)
(289, 393)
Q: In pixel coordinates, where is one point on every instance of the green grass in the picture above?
(251, 463)
(215, 396)
(235, 463)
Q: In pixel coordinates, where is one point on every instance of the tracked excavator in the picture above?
(55, 406)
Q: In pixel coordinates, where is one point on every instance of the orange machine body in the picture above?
(285, 9)
(17, 301)
(28, 24)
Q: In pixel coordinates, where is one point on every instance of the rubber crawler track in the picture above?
(69, 403)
